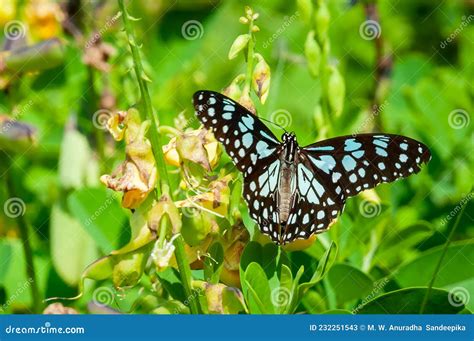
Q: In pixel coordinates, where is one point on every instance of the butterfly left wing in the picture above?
(245, 138)
(253, 149)
(342, 167)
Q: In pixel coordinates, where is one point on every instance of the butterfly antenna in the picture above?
(274, 123)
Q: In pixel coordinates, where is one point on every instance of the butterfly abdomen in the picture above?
(285, 194)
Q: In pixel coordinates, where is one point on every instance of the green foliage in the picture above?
(189, 245)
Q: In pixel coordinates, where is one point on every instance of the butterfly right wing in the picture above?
(254, 150)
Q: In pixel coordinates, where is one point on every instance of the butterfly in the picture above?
(291, 191)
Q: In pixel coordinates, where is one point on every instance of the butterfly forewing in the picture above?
(245, 138)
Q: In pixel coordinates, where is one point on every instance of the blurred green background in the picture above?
(64, 64)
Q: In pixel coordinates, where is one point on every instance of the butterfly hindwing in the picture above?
(316, 203)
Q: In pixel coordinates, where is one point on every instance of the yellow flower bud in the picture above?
(238, 45)
(322, 18)
(305, 7)
(313, 54)
(336, 91)
(261, 78)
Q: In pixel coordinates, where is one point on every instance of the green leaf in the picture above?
(324, 265)
(256, 290)
(313, 302)
(72, 249)
(455, 271)
(349, 283)
(14, 279)
(404, 239)
(100, 215)
(265, 256)
(409, 301)
(73, 159)
(285, 293)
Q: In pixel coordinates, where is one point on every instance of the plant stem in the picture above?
(149, 114)
(25, 240)
(250, 56)
(185, 272)
(155, 140)
(443, 254)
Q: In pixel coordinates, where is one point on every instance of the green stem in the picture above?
(324, 88)
(149, 114)
(155, 140)
(25, 240)
(250, 57)
(185, 271)
(440, 261)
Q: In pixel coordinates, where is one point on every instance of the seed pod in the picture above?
(238, 45)
(305, 7)
(321, 19)
(313, 54)
(261, 78)
(336, 91)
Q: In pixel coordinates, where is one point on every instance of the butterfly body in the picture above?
(291, 191)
